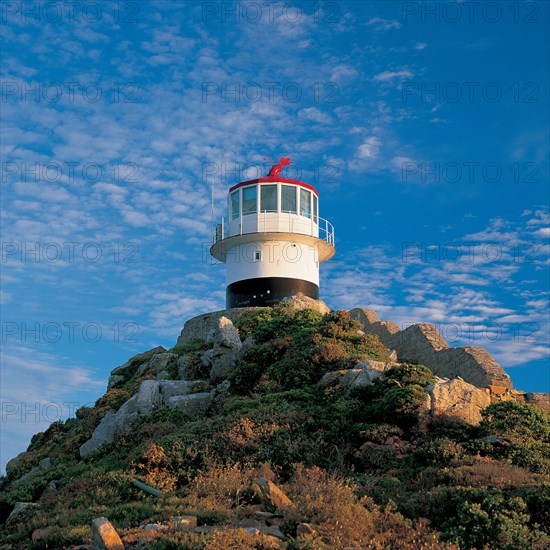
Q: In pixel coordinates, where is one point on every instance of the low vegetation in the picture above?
(362, 468)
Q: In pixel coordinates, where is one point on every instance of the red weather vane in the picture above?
(276, 169)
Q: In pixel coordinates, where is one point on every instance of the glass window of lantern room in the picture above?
(288, 199)
(268, 198)
(315, 208)
(249, 200)
(305, 203)
(235, 206)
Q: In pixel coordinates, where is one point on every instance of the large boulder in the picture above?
(300, 301)
(148, 398)
(226, 351)
(350, 378)
(363, 374)
(422, 344)
(457, 399)
(372, 324)
(272, 495)
(184, 367)
(418, 343)
(195, 405)
(105, 432)
(472, 363)
(224, 334)
(201, 327)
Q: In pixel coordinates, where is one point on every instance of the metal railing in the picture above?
(275, 223)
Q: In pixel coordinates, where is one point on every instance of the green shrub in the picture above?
(486, 517)
(526, 427)
(296, 347)
(439, 452)
(408, 374)
(190, 347)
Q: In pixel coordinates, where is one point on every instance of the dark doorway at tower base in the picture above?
(267, 291)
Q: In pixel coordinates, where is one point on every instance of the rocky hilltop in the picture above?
(279, 428)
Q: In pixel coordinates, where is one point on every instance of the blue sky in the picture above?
(424, 128)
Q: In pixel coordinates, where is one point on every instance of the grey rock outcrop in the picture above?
(137, 360)
(363, 374)
(44, 464)
(195, 405)
(158, 363)
(152, 395)
(21, 509)
(449, 398)
(202, 326)
(422, 344)
(352, 378)
(226, 351)
(114, 379)
(373, 325)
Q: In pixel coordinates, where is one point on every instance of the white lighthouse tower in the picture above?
(274, 240)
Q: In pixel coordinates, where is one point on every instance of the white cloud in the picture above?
(543, 232)
(315, 115)
(381, 24)
(369, 149)
(388, 76)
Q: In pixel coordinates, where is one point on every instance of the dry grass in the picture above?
(329, 503)
(239, 539)
(492, 473)
(221, 486)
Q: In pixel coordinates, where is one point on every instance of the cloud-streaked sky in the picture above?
(424, 131)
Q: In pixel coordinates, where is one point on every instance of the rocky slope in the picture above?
(252, 404)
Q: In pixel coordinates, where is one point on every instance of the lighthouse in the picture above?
(273, 240)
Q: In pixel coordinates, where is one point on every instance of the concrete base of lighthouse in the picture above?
(267, 291)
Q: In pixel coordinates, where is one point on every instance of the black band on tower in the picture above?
(267, 291)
